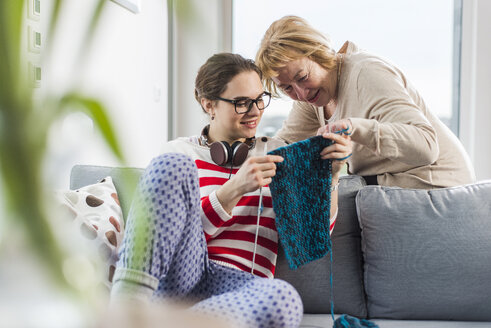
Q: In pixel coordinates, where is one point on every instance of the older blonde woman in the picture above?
(397, 140)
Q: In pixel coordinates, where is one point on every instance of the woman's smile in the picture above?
(252, 124)
(314, 98)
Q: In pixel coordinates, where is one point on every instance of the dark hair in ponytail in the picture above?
(218, 71)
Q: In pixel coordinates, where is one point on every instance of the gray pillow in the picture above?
(427, 253)
(312, 280)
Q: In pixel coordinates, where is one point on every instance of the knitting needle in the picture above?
(259, 210)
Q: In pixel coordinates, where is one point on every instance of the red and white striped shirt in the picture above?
(231, 238)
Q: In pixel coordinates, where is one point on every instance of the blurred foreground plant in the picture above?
(25, 121)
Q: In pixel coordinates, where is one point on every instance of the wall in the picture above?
(126, 68)
(200, 30)
(475, 105)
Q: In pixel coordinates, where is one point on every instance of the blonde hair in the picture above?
(291, 38)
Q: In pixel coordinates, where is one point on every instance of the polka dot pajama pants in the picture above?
(164, 248)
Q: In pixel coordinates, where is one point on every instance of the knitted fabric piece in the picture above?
(347, 321)
(302, 200)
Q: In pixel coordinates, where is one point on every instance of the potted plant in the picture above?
(25, 120)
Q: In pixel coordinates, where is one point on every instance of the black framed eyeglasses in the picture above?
(243, 106)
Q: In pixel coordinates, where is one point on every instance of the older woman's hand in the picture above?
(339, 151)
(343, 126)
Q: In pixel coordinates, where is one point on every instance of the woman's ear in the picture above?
(207, 105)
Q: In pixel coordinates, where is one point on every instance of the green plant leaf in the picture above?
(53, 23)
(86, 38)
(96, 15)
(89, 32)
(98, 113)
(11, 14)
(24, 126)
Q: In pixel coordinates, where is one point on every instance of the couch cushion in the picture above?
(427, 253)
(312, 280)
(325, 320)
(124, 179)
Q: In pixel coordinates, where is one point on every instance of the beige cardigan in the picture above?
(395, 136)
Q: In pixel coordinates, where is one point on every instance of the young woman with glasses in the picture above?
(197, 231)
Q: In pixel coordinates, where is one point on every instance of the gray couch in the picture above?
(401, 257)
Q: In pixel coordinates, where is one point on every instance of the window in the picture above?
(416, 35)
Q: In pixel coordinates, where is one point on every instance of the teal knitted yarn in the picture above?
(302, 203)
(302, 200)
(347, 321)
